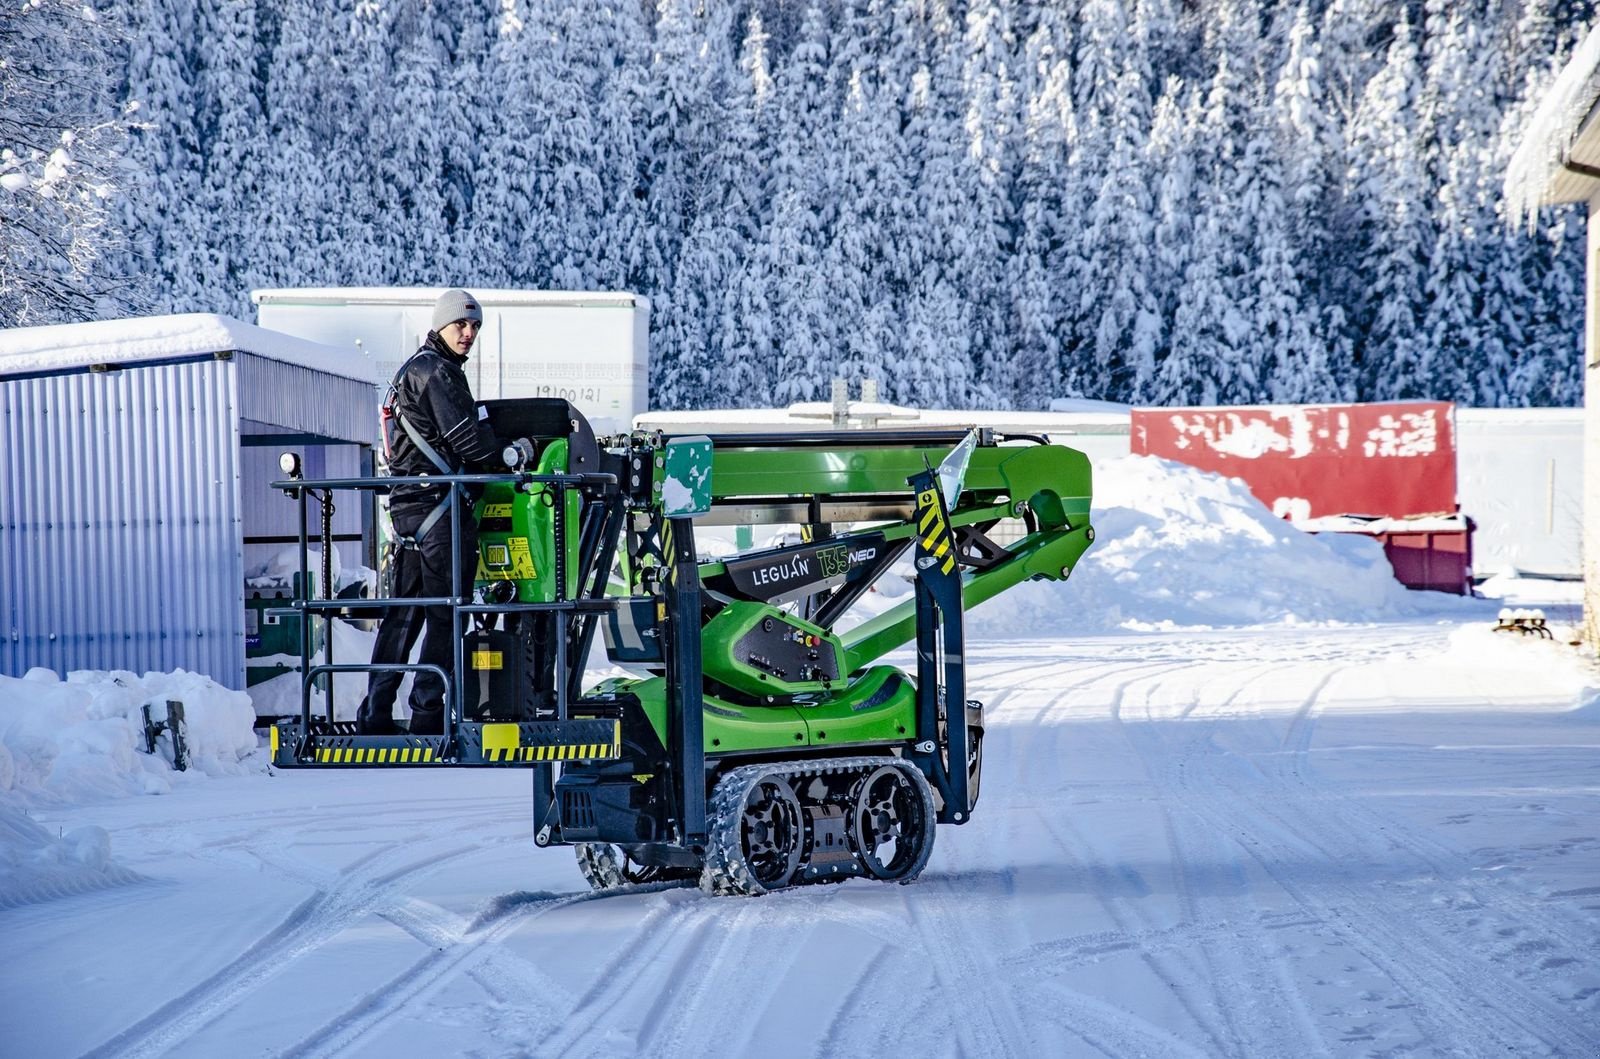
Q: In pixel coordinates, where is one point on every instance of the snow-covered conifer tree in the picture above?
(1172, 159)
(1048, 129)
(1388, 179)
(160, 162)
(804, 318)
(1116, 303)
(293, 223)
(408, 169)
(216, 261)
(1452, 338)
(992, 130)
(745, 323)
(1310, 149)
(865, 260)
(504, 181)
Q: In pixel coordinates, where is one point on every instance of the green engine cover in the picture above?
(516, 531)
(761, 650)
(879, 705)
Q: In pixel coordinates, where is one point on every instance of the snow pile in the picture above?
(81, 739)
(35, 865)
(1178, 547)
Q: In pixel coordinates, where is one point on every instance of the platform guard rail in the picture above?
(327, 741)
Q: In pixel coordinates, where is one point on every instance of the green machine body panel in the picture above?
(877, 706)
(516, 531)
(759, 649)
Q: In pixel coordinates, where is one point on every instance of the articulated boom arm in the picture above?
(863, 477)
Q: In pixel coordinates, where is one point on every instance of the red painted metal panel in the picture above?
(1308, 461)
(1441, 560)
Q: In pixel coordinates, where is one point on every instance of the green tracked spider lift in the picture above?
(762, 743)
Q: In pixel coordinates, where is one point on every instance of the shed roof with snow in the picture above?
(1558, 159)
(133, 454)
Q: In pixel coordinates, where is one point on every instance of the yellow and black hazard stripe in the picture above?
(575, 752)
(668, 556)
(503, 742)
(395, 755)
(933, 532)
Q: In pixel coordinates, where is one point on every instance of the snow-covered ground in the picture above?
(1242, 796)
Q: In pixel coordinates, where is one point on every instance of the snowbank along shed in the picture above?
(136, 458)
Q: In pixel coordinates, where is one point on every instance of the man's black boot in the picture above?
(367, 723)
(427, 722)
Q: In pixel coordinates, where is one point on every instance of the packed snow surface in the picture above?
(1242, 796)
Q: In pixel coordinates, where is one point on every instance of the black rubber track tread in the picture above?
(725, 869)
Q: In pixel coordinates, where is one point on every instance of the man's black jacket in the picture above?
(431, 392)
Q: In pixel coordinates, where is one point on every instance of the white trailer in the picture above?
(588, 347)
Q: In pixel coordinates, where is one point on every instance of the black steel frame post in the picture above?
(328, 593)
(455, 687)
(305, 619)
(941, 660)
(686, 722)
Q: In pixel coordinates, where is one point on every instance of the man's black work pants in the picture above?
(422, 571)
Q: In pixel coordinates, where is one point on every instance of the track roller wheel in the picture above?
(894, 822)
(757, 833)
(608, 867)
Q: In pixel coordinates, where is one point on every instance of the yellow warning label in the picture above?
(500, 737)
(488, 660)
(521, 559)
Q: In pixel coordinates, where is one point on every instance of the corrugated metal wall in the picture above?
(306, 401)
(120, 522)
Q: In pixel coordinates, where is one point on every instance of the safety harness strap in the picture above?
(427, 450)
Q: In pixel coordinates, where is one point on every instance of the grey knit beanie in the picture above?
(455, 305)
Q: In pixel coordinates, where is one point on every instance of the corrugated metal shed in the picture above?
(123, 483)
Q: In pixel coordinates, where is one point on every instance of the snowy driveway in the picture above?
(1294, 841)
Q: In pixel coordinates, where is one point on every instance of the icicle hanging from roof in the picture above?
(1549, 133)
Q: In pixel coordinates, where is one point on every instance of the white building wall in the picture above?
(1591, 433)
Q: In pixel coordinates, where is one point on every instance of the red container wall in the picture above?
(1306, 461)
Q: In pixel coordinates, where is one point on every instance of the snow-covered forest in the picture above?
(976, 202)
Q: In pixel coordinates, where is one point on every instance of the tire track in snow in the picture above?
(1452, 1001)
(1270, 1011)
(366, 885)
(649, 962)
(986, 1017)
(995, 1011)
(455, 951)
(1109, 886)
(765, 933)
(1392, 839)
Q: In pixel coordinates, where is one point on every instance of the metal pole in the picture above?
(302, 589)
(454, 688)
(328, 594)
